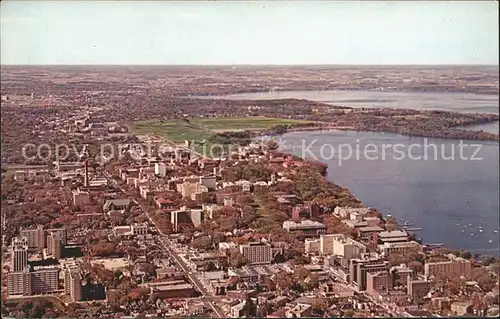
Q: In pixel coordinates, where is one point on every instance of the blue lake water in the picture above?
(456, 102)
(452, 200)
(449, 198)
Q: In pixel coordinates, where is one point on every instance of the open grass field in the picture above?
(199, 130)
(243, 123)
(202, 128)
(175, 131)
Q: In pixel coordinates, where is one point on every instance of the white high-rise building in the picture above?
(19, 254)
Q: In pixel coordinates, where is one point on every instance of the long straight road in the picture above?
(178, 260)
(181, 264)
(168, 245)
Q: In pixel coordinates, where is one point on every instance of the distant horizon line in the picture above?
(243, 64)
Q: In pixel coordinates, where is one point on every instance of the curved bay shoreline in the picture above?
(361, 188)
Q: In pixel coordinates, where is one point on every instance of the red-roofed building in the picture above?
(164, 203)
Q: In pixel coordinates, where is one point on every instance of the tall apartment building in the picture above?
(22, 281)
(27, 283)
(73, 283)
(18, 283)
(454, 266)
(63, 234)
(44, 280)
(19, 254)
(257, 253)
(35, 236)
(359, 268)
(54, 245)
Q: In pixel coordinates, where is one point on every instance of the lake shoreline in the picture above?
(357, 184)
(462, 133)
(257, 91)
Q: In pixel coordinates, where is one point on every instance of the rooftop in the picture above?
(290, 224)
(370, 229)
(394, 233)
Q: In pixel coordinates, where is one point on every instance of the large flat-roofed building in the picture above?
(395, 236)
(185, 216)
(312, 246)
(68, 166)
(139, 229)
(34, 236)
(172, 289)
(367, 232)
(418, 288)
(378, 283)
(45, 280)
(253, 273)
(27, 283)
(117, 204)
(454, 266)
(257, 253)
(401, 274)
(402, 248)
(308, 227)
(350, 212)
(189, 189)
(326, 243)
(209, 181)
(32, 174)
(80, 197)
(358, 268)
(347, 247)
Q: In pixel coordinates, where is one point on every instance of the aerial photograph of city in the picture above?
(239, 159)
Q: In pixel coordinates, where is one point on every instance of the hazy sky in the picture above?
(240, 32)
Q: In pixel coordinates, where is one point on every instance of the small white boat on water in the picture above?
(495, 231)
(490, 241)
(480, 230)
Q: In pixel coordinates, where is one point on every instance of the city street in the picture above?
(180, 263)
